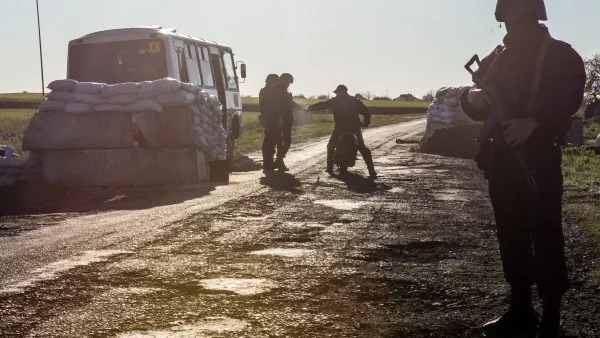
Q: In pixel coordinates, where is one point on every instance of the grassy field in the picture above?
(12, 126)
(315, 126)
(378, 103)
(581, 170)
(22, 96)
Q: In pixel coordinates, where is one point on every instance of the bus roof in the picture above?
(140, 31)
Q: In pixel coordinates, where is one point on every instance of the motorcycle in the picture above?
(346, 149)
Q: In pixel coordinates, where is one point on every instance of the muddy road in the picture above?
(290, 255)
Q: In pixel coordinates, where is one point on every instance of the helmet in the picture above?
(508, 8)
(286, 77)
(272, 78)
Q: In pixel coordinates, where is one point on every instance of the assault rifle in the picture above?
(498, 116)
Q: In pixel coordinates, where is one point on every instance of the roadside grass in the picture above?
(368, 103)
(21, 96)
(314, 125)
(12, 126)
(581, 169)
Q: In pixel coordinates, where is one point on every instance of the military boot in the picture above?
(550, 326)
(519, 321)
(280, 165)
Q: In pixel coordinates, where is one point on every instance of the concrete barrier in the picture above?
(120, 167)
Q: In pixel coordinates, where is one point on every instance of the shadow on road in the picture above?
(361, 184)
(35, 199)
(282, 182)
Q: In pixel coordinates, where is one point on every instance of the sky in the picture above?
(386, 47)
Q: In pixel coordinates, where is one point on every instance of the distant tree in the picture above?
(592, 68)
(429, 96)
(25, 92)
(322, 97)
(299, 96)
(382, 98)
(367, 95)
(406, 97)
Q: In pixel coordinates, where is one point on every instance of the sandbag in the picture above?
(128, 88)
(62, 85)
(89, 87)
(144, 105)
(179, 98)
(60, 96)
(103, 108)
(51, 105)
(190, 87)
(123, 99)
(154, 89)
(92, 99)
(79, 108)
(452, 101)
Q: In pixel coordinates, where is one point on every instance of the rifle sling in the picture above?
(537, 75)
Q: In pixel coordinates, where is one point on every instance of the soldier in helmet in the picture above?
(541, 81)
(287, 107)
(270, 114)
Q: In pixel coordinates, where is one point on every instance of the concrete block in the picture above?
(121, 167)
(168, 129)
(64, 131)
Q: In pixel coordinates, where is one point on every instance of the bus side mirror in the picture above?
(243, 70)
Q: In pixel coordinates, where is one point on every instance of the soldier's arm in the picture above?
(324, 105)
(364, 111)
(563, 96)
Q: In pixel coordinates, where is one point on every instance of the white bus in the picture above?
(151, 53)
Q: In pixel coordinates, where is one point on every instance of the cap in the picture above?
(272, 77)
(341, 89)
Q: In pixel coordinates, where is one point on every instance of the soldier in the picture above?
(541, 81)
(287, 106)
(270, 114)
(346, 110)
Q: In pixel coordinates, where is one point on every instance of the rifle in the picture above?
(498, 116)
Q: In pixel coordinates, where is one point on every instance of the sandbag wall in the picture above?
(158, 132)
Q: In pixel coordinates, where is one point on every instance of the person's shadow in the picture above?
(360, 184)
(282, 182)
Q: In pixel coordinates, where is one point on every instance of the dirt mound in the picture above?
(457, 141)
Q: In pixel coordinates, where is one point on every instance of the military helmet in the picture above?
(286, 77)
(508, 8)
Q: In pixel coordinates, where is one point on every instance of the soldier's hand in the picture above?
(479, 100)
(517, 131)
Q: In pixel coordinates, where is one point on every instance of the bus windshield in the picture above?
(118, 62)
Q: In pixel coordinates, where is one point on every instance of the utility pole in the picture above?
(40, 40)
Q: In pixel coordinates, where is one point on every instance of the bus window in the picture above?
(192, 65)
(230, 78)
(119, 61)
(182, 64)
(205, 67)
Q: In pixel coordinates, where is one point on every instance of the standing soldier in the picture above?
(346, 110)
(270, 114)
(541, 81)
(287, 106)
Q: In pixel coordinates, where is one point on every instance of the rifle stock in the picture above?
(497, 116)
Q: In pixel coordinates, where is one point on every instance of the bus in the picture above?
(152, 53)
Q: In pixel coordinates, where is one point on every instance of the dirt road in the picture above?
(290, 255)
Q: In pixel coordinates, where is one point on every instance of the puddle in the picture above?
(205, 326)
(397, 190)
(341, 204)
(291, 253)
(53, 270)
(450, 195)
(240, 286)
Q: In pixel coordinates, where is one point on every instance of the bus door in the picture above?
(217, 67)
